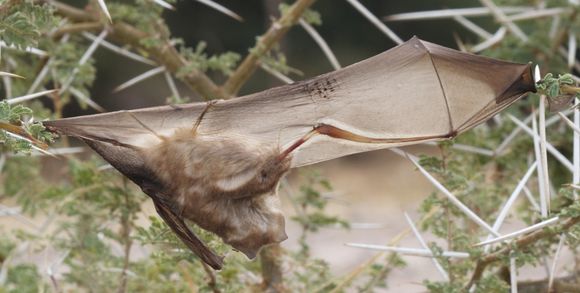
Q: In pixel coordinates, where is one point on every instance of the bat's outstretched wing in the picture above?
(415, 92)
(129, 162)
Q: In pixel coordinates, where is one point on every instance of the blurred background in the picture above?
(371, 190)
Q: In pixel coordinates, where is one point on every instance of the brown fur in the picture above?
(224, 184)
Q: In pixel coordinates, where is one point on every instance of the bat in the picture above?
(218, 164)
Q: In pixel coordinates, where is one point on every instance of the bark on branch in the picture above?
(276, 31)
(518, 244)
(165, 54)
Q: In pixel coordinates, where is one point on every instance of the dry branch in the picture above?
(516, 245)
(165, 54)
(274, 34)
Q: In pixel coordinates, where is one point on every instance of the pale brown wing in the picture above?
(413, 93)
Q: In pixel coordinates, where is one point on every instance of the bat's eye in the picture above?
(263, 175)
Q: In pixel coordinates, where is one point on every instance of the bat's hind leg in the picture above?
(200, 118)
(338, 133)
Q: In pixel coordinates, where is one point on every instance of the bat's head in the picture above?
(258, 222)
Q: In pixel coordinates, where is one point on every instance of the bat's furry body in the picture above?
(222, 173)
(224, 185)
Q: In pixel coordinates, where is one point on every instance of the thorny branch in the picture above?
(274, 34)
(518, 244)
(165, 54)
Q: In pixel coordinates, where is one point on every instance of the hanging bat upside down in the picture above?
(218, 164)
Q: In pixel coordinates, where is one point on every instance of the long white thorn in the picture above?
(164, 4)
(88, 53)
(31, 50)
(119, 50)
(449, 13)
(367, 226)
(576, 152)
(537, 14)
(276, 74)
(105, 10)
(2, 162)
(374, 20)
(531, 199)
(44, 71)
(141, 77)
(520, 232)
(550, 148)
(171, 85)
(85, 99)
(29, 97)
(53, 152)
(502, 18)
(7, 85)
(474, 28)
(321, 43)
(543, 152)
(513, 275)
(32, 145)
(554, 27)
(555, 261)
(467, 148)
(541, 182)
(409, 251)
(8, 74)
(496, 38)
(221, 9)
(572, 125)
(511, 200)
(425, 246)
(572, 45)
(468, 212)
